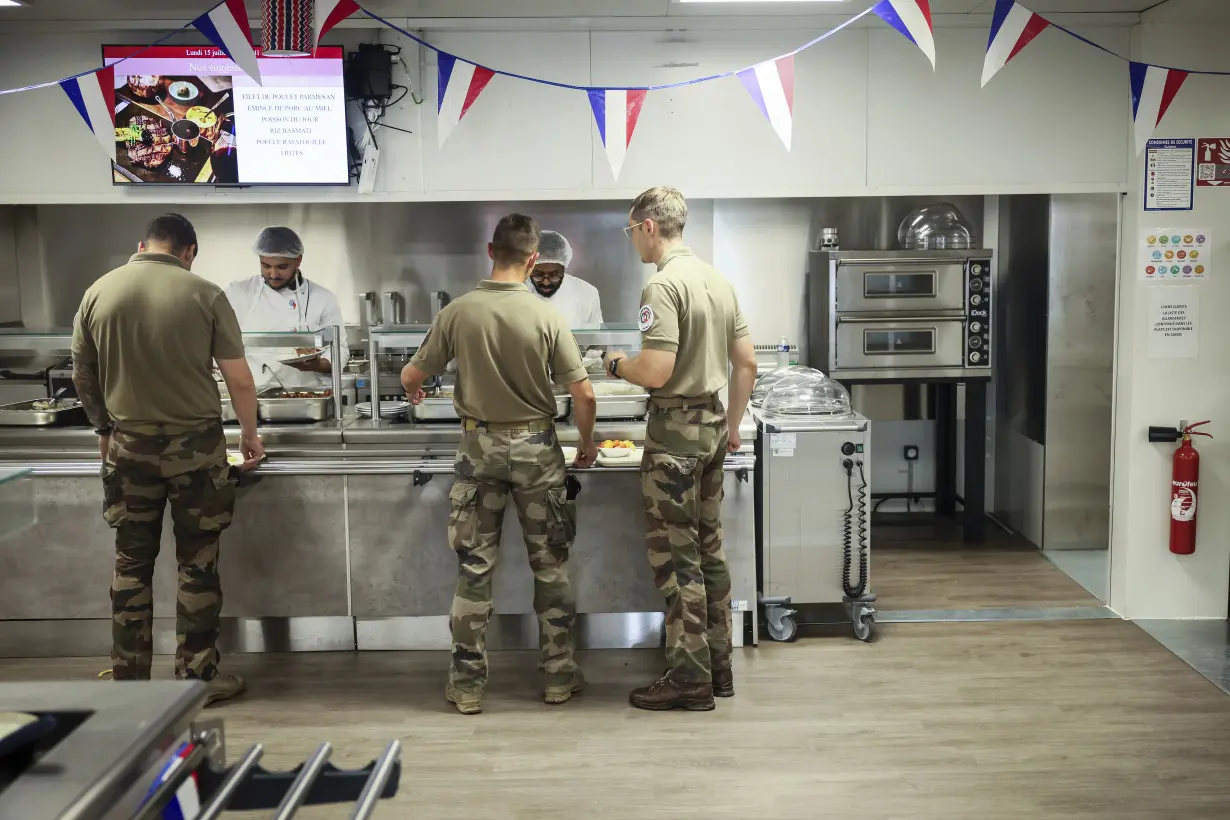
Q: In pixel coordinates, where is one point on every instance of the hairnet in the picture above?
(282, 242)
(553, 249)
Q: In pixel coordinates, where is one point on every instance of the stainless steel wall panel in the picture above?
(1079, 372)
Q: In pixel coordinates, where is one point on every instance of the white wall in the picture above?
(1146, 580)
(870, 117)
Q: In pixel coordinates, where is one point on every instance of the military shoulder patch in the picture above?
(647, 318)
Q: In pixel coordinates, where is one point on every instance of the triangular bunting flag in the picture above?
(1153, 90)
(327, 14)
(459, 83)
(1012, 28)
(226, 26)
(913, 19)
(91, 96)
(616, 111)
(771, 85)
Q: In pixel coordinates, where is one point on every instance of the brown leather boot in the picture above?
(665, 694)
(723, 683)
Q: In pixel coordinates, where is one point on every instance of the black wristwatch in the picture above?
(105, 430)
(613, 367)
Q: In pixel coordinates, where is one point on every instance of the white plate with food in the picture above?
(570, 454)
(302, 355)
(183, 91)
(619, 454)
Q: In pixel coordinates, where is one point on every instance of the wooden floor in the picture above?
(1081, 719)
(923, 568)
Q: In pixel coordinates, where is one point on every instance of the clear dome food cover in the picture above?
(761, 388)
(935, 228)
(801, 391)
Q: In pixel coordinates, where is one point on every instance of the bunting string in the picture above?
(616, 109)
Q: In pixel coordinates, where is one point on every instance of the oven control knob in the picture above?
(975, 357)
(975, 284)
(975, 341)
(975, 327)
(977, 268)
(975, 300)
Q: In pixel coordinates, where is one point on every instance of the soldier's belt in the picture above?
(159, 429)
(682, 403)
(540, 426)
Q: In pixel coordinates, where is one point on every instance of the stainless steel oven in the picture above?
(896, 315)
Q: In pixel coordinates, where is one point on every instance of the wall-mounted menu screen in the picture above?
(188, 115)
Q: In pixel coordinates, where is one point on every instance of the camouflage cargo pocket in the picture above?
(562, 528)
(668, 487)
(221, 504)
(115, 512)
(463, 514)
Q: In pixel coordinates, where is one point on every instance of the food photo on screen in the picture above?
(189, 115)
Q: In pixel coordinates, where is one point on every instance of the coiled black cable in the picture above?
(847, 535)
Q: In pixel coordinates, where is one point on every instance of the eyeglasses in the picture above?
(628, 230)
(547, 277)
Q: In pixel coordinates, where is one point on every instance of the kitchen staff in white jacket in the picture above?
(575, 298)
(281, 299)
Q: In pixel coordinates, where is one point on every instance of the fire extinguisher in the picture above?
(1184, 485)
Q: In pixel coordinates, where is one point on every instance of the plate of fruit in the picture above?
(615, 451)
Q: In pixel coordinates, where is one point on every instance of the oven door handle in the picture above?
(900, 319)
(902, 260)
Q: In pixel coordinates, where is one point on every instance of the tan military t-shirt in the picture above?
(154, 329)
(510, 348)
(689, 309)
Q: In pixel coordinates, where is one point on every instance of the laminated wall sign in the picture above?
(1213, 162)
(1169, 167)
(1176, 254)
(1174, 322)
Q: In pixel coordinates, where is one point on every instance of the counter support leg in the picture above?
(975, 461)
(945, 449)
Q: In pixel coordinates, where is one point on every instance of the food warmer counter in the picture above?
(340, 542)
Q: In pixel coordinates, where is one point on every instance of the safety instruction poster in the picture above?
(1174, 323)
(1176, 254)
(1170, 166)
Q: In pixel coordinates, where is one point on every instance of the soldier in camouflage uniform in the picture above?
(144, 342)
(510, 349)
(692, 333)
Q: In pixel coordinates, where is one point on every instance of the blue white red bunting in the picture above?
(616, 111)
(226, 26)
(771, 85)
(328, 13)
(913, 19)
(1012, 28)
(1153, 90)
(459, 84)
(186, 803)
(91, 96)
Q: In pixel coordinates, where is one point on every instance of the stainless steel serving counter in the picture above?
(341, 543)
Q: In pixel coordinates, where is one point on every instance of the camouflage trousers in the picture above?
(681, 480)
(527, 464)
(144, 470)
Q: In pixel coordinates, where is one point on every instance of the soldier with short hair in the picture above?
(510, 348)
(144, 343)
(692, 333)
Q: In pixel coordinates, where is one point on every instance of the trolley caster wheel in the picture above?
(783, 629)
(865, 625)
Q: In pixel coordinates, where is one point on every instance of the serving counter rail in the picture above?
(339, 542)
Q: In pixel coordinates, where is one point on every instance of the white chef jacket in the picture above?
(306, 309)
(578, 300)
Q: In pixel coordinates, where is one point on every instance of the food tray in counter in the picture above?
(622, 406)
(438, 408)
(295, 405)
(44, 413)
